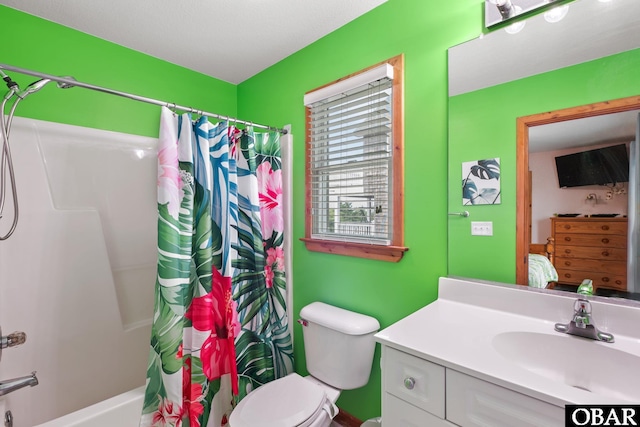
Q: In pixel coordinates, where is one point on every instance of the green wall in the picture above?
(421, 30)
(40, 45)
(388, 291)
(482, 124)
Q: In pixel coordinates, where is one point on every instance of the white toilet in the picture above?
(339, 348)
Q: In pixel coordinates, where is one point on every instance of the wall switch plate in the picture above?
(481, 228)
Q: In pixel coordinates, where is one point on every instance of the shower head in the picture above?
(33, 87)
(39, 84)
(65, 85)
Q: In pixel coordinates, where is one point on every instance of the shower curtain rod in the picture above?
(72, 82)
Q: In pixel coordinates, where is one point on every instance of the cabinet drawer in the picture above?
(613, 267)
(615, 254)
(472, 402)
(599, 240)
(591, 227)
(398, 413)
(414, 380)
(600, 279)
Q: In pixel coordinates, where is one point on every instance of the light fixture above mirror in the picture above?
(499, 11)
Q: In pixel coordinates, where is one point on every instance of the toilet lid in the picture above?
(289, 401)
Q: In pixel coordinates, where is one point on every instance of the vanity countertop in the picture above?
(460, 331)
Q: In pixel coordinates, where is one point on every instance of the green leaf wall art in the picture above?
(481, 182)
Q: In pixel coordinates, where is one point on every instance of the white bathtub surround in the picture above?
(497, 343)
(122, 410)
(77, 276)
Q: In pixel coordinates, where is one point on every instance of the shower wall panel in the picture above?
(79, 272)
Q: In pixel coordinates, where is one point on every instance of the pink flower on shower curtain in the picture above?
(275, 262)
(270, 192)
(168, 414)
(192, 395)
(169, 181)
(216, 313)
(275, 258)
(268, 276)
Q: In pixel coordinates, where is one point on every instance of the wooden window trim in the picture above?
(396, 249)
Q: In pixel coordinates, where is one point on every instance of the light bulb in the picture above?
(516, 27)
(556, 14)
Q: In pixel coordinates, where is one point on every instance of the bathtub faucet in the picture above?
(8, 386)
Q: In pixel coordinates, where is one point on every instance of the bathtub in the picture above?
(122, 410)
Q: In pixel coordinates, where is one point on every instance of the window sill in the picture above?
(381, 253)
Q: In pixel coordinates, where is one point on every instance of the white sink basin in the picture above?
(577, 362)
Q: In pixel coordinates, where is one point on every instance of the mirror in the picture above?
(584, 60)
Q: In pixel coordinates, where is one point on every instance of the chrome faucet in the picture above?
(582, 324)
(8, 386)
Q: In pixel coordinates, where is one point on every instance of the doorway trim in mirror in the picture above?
(523, 187)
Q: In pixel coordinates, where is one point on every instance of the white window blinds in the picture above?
(350, 164)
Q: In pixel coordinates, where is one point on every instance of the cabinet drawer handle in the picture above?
(605, 253)
(567, 226)
(567, 275)
(409, 383)
(618, 282)
(567, 239)
(567, 263)
(605, 227)
(605, 279)
(605, 241)
(567, 251)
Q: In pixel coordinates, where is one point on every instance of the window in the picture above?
(354, 164)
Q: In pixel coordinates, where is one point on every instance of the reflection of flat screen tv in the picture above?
(602, 166)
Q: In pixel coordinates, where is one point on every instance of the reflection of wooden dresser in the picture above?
(591, 248)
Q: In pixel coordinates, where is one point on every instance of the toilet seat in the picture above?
(291, 401)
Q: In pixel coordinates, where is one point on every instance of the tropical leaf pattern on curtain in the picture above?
(264, 348)
(220, 313)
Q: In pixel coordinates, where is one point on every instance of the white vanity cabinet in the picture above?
(473, 402)
(414, 380)
(476, 357)
(413, 391)
(398, 413)
(420, 393)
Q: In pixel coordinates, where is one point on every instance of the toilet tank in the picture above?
(338, 344)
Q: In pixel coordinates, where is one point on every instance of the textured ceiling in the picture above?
(230, 40)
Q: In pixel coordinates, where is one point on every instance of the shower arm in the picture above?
(65, 82)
